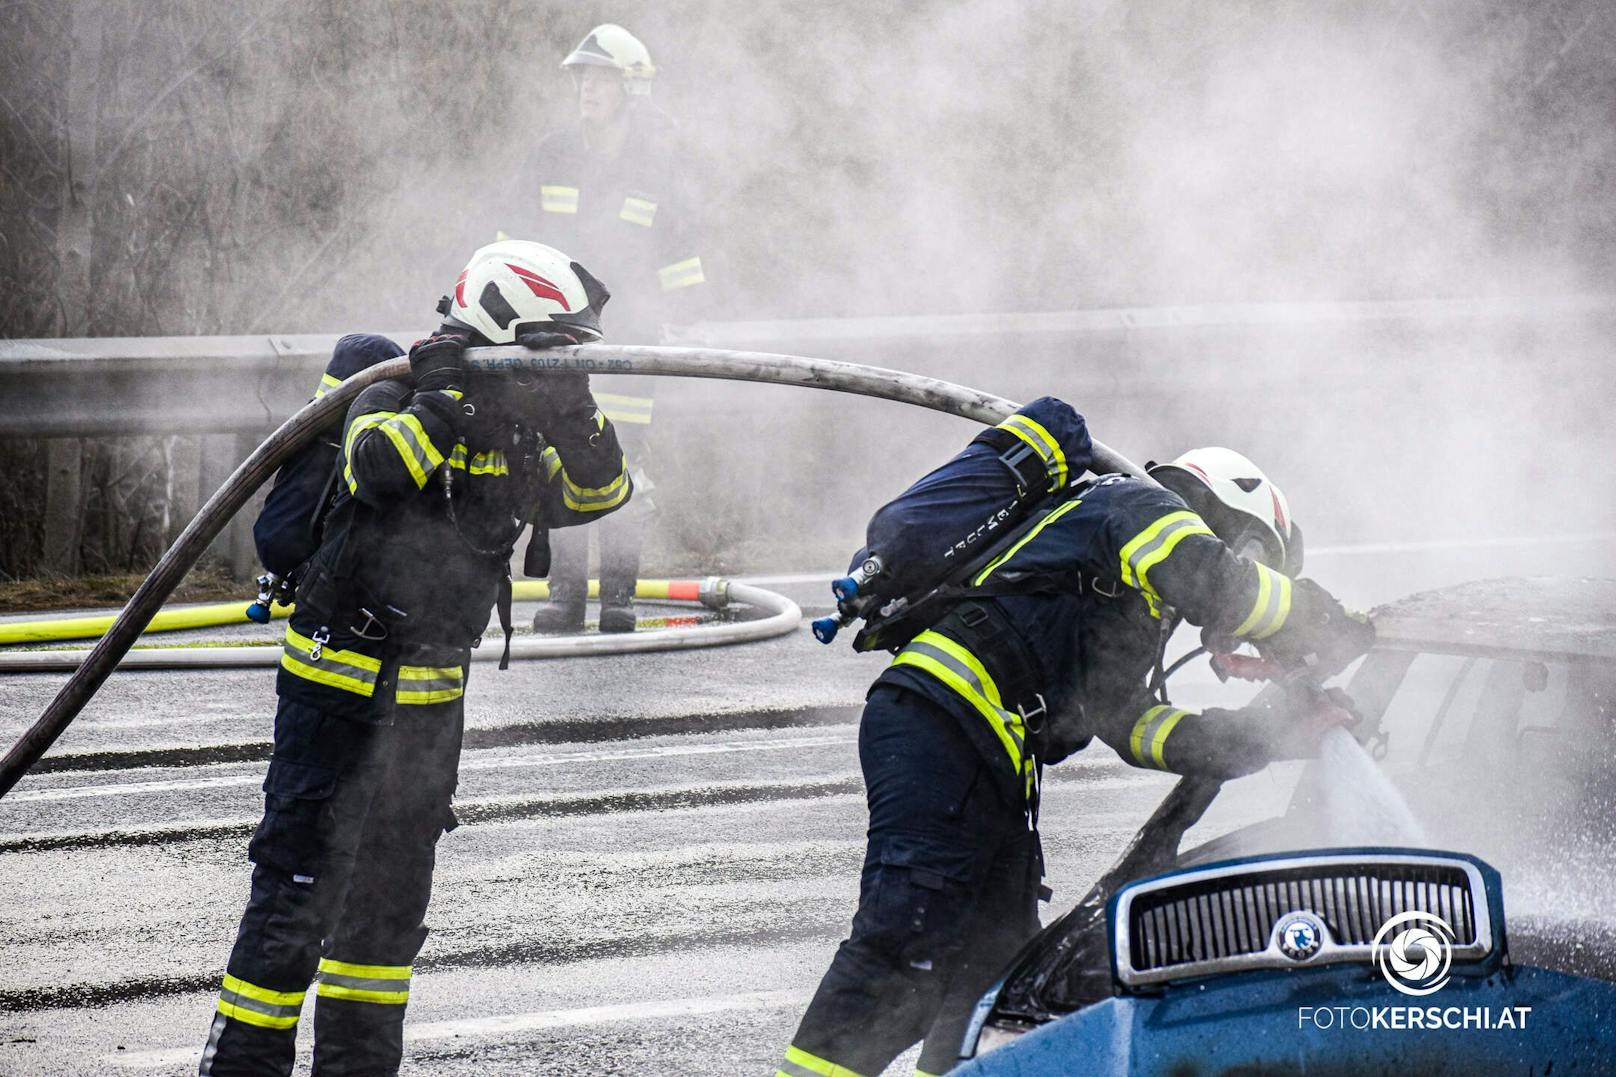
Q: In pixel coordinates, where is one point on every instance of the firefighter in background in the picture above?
(437, 477)
(1053, 643)
(616, 190)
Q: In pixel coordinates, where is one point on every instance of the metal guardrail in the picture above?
(100, 386)
(234, 389)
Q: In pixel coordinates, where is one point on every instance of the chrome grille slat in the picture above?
(1230, 915)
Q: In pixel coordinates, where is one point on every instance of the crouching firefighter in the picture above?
(1028, 612)
(439, 474)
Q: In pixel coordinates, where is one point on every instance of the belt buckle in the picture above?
(1027, 716)
(1094, 585)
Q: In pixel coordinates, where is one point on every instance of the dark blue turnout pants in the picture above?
(948, 894)
(343, 872)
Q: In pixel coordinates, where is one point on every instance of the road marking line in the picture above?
(507, 1024)
(619, 755)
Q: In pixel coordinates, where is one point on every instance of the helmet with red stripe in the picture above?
(1239, 503)
(516, 286)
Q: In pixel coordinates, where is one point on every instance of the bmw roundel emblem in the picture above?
(1299, 935)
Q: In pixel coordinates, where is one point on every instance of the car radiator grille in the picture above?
(1215, 919)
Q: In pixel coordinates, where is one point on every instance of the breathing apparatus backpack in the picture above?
(289, 527)
(922, 547)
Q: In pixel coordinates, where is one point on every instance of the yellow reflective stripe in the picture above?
(637, 211)
(1272, 607)
(490, 463)
(681, 274)
(1149, 736)
(1153, 545)
(457, 456)
(430, 684)
(250, 1004)
(800, 1063)
(384, 984)
(1033, 433)
(960, 670)
(1028, 537)
(552, 462)
(327, 382)
(347, 670)
(594, 499)
(262, 994)
(377, 972)
(558, 199)
(409, 440)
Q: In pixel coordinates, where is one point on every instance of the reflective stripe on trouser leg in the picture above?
(800, 1063)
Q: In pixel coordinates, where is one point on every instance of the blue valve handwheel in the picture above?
(825, 629)
(258, 612)
(845, 589)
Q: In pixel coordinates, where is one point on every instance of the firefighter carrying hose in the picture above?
(616, 189)
(1046, 645)
(437, 476)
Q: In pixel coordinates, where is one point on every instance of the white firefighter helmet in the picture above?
(1238, 501)
(516, 285)
(609, 45)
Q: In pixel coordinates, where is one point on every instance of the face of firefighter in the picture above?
(600, 95)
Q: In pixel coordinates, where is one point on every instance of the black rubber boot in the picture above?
(560, 617)
(617, 614)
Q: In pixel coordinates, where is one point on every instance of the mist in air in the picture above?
(324, 168)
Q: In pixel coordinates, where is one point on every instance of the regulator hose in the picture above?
(296, 432)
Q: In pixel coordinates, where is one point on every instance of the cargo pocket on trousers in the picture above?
(296, 832)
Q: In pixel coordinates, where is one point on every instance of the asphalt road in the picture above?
(659, 855)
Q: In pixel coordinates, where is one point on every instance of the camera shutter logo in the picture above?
(1414, 951)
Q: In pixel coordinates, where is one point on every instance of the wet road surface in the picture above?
(658, 856)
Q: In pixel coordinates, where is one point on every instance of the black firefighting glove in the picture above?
(1320, 633)
(438, 362)
(560, 402)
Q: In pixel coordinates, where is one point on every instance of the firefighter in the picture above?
(1052, 643)
(616, 190)
(436, 477)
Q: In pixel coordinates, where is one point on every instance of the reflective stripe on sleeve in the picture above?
(557, 199)
(1272, 607)
(347, 670)
(1149, 735)
(958, 668)
(1152, 546)
(1028, 537)
(254, 1005)
(409, 440)
(430, 684)
(1048, 449)
(799, 1063)
(639, 211)
(625, 409)
(594, 499)
(327, 383)
(388, 985)
(681, 274)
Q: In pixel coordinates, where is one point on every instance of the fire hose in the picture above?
(303, 426)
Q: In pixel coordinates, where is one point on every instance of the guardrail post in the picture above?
(64, 504)
(220, 455)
